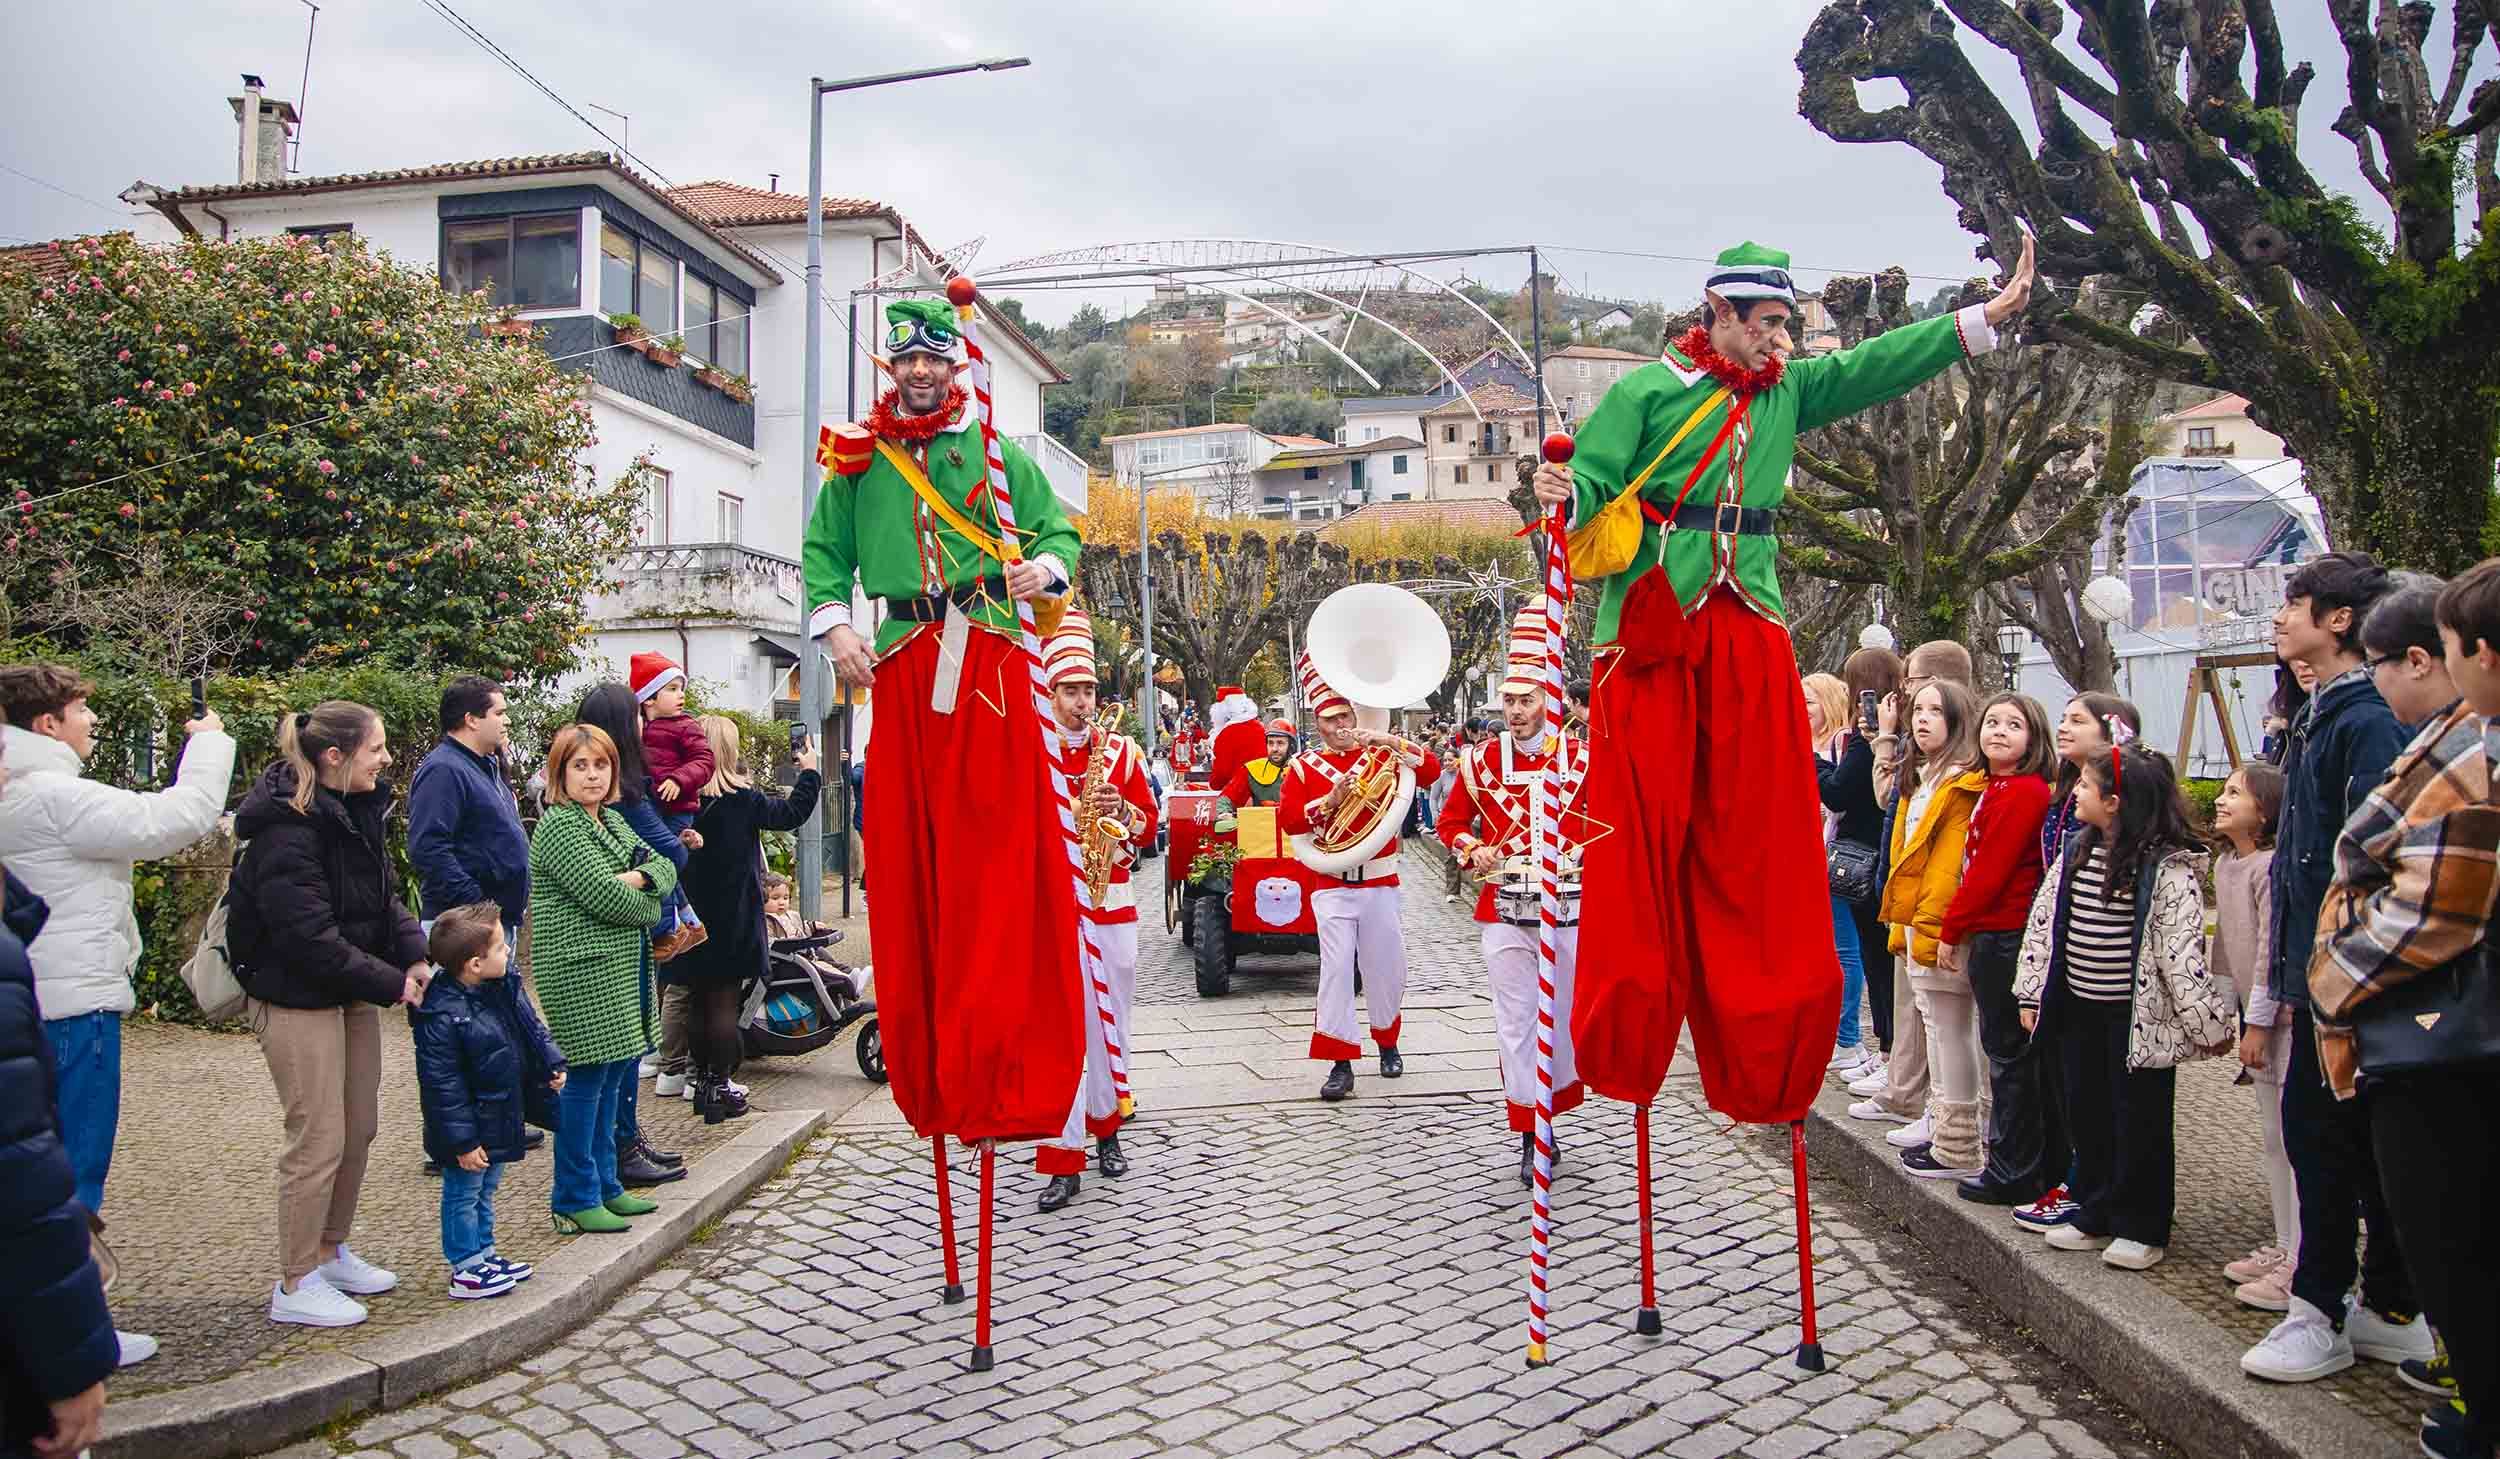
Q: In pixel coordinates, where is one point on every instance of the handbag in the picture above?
(1852, 868)
(209, 973)
(2439, 1020)
(1605, 544)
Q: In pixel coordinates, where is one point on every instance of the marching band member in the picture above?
(1262, 782)
(1357, 911)
(1121, 795)
(1488, 823)
(1239, 737)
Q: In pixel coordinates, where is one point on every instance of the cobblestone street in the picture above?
(1275, 1276)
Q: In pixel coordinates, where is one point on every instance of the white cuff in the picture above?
(827, 617)
(1058, 572)
(1971, 323)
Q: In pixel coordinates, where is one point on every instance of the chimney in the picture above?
(262, 127)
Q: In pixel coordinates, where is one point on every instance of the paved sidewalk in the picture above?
(192, 1198)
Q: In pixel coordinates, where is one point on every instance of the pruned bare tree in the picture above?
(159, 620)
(1219, 599)
(2159, 166)
(1978, 476)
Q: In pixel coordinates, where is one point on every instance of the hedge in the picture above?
(138, 737)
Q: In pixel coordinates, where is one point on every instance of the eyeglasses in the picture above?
(2382, 661)
(910, 334)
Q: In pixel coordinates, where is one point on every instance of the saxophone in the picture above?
(1106, 837)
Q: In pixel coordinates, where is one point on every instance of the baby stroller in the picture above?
(806, 999)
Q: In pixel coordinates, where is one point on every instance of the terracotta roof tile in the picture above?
(2219, 406)
(45, 261)
(1176, 431)
(725, 204)
(1488, 399)
(1476, 512)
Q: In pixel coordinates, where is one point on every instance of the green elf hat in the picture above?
(924, 325)
(1751, 271)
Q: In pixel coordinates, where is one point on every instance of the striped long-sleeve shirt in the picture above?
(2415, 872)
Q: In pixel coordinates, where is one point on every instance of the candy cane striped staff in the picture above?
(1548, 831)
(961, 292)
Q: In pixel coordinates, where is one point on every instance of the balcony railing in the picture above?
(718, 581)
(2216, 448)
(1064, 468)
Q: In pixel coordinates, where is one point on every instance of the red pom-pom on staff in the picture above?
(961, 291)
(1558, 447)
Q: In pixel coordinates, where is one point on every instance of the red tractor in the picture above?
(1258, 902)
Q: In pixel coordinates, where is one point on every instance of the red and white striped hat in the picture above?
(1316, 694)
(1068, 655)
(1526, 668)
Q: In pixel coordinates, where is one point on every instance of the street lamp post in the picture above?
(812, 710)
(2011, 639)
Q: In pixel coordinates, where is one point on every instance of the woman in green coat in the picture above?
(595, 890)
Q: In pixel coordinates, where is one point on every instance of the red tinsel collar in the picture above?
(887, 419)
(1694, 345)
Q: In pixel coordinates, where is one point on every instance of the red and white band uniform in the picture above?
(1113, 926)
(1357, 913)
(1492, 803)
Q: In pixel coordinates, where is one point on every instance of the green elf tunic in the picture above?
(874, 531)
(1643, 411)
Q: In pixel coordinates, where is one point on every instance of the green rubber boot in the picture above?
(630, 1204)
(593, 1221)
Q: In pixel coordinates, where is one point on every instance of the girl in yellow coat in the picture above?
(1941, 784)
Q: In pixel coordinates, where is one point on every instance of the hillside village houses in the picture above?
(564, 242)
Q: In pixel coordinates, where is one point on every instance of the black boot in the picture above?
(668, 1159)
(733, 1105)
(1339, 1083)
(632, 1169)
(1392, 1064)
(1553, 1142)
(1527, 1159)
(1108, 1159)
(707, 1099)
(1061, 1190)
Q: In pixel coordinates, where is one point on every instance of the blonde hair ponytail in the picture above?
(721, 733)
(334, 724)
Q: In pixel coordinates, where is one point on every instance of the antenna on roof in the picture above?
(625, 129)
(303, 88)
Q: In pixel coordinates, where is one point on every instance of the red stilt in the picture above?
(982, 1362)
(1647, 1324)
(1809, 1351)
(946, 1225)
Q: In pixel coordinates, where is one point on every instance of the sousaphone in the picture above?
(1383, 648)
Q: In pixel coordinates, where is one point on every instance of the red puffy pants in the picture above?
(1707, 894)
(974, 926)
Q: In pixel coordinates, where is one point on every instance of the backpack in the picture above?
(209, 973)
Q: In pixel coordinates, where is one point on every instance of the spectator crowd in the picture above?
(2040, 932)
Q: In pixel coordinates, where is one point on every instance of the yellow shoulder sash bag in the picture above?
(1606, 543)
(1047, 612)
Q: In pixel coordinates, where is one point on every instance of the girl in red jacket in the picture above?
(1982, 936)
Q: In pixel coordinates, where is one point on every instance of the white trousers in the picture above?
(1510, 962)
(1096, 1110)
(1357, 925)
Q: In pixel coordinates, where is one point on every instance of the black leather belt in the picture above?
(932, 608)
(1726, 518)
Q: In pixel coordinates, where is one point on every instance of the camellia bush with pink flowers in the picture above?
(312, 441)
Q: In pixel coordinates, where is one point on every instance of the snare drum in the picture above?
(1518, 902)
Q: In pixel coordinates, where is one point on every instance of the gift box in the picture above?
(845, 450)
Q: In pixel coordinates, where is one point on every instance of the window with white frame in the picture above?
(730, 521)
(637, 279)
(524, 261)
(2201, 436)
(1579, 369)
(651, 525)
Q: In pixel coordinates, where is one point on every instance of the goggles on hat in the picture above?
(907, 335)
(1769, 278)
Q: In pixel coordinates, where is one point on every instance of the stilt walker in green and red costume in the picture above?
(1699, 761)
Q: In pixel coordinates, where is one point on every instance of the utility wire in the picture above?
(118, 212)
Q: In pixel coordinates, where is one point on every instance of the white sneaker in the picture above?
(1876, 1074)
(2071, 1238)
(1913, 1135)
(2372, 1336)
(136, 1347)
(1850, 1057)
(314, 1303)
(353, 1274)
(2135, 1256)
(670, 1086)
(2303, 1346)
(732, 1086)
(1875, 1109)
(649, 1066)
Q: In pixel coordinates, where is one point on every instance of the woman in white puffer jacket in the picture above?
(73, 841)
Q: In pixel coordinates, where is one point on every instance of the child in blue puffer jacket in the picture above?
(472, 1066)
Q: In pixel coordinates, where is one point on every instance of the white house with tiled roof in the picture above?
(2216, 427)
(567, 241)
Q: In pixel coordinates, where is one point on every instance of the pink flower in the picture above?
(325, 467)
(164, 395)
(313, 356)
(147, 385)
(190, 387)
(415, 460)
(335, 311)
(122, 358)
(129, 511)
(250, 617)
(278, 349)
(120, 400)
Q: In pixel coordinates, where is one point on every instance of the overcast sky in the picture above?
(1658, 126)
